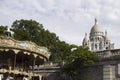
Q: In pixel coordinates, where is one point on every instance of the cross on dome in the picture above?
(95, 21)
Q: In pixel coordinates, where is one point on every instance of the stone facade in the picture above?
(107, 67)
(97, 40)
(92, 73)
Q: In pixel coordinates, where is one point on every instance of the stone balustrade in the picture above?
(109, 53)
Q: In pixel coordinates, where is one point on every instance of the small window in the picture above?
(98, 38)
(96, 46)
(106, 42)
(91, 39)
(86, 44)
(92, 46)
(106, 47)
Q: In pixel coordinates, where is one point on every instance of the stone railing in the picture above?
(109, 53)
(49, 67)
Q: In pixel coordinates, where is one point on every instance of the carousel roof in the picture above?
(27, 47)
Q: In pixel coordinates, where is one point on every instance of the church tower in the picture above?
(97, 40)
(85, 40)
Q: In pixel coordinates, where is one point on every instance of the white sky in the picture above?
(69, 19)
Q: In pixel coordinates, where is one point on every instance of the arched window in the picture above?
(106, 42)
(95, 46)
(98, 38)
(86, 44)
(95, 40)
(91, 39)
(92, 46)
(100, 45)
(106, 47)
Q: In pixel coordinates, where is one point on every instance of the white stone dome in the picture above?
(96, 30)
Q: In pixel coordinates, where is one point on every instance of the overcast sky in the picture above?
(69, 19)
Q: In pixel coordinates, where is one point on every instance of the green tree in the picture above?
(79, 58)
(27, 30)
(3, 29)
(33, 31)
(61, 51)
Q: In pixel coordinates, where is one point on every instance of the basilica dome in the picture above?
(96, 30)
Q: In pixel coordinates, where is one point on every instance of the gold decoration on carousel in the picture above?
(6, 49)
(1, 49)
(16, 46)
(28, 53)
(16, 51)
(35, 55)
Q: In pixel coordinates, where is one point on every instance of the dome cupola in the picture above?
(106, 37)
(96, 30)
(85, 40)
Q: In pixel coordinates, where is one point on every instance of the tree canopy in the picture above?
(33, 31)
(3, 29)
(79, 58)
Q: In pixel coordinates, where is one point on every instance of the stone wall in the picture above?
(108, 70)
(92, 73)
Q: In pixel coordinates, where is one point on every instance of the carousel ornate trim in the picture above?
(27, 47)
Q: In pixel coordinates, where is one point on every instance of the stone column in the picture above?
(107, 72)
(40, 77)
(16, 52)
(34, 64)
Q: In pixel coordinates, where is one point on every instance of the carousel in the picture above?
(18, 59)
